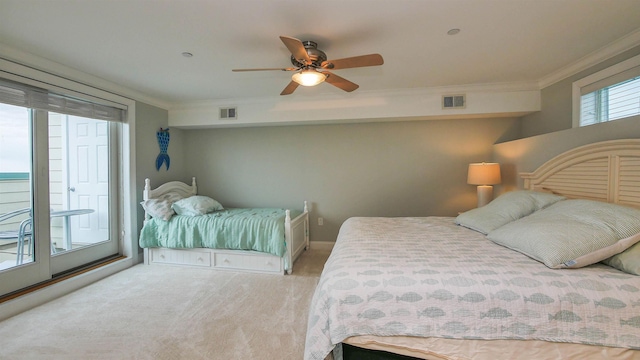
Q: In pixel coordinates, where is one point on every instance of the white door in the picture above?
(88, 179)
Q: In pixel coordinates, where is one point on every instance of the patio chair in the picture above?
(25, 231)
(20, 235)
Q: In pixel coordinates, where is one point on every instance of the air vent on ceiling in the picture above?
(230, 113)
(453, 101)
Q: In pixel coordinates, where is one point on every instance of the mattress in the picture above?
(260, 229)
(429, 278)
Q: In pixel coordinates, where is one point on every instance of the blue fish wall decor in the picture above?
(163, 142)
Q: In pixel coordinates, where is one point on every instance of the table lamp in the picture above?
(484, 175)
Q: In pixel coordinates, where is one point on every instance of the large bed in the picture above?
(498, 281)
(186, 229)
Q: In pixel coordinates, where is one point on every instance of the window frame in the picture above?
(126, 235)
(595, 77)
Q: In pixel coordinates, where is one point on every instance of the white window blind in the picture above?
(611, 103)
(614, 97)
(15, 93)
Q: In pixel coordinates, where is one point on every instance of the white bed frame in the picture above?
(296, 238)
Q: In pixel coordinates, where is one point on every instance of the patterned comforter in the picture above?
(428, 277)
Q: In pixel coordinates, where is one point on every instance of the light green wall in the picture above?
(555, 114)
(413, 168)
(149, 119)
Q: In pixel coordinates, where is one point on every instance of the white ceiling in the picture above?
(138, 43)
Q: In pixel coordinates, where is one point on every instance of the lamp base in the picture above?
(485, 195)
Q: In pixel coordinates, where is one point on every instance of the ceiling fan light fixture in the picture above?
(308, 77)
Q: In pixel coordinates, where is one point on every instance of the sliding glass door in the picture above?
(58, 193)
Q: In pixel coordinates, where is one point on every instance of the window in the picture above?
(611, 94)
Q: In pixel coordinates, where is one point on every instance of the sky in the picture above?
(14, 139)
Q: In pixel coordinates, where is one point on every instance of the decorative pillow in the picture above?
(627, 261)
(572, 233)
(161, 207)
(196, 205)
(506, 208)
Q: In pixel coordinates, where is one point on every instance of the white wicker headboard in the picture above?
(605, 171)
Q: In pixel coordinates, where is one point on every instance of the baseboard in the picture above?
(322, 245)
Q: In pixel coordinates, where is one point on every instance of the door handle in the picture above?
(72, 189)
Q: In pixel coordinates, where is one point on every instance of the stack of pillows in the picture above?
(165, 206)
(560, 232)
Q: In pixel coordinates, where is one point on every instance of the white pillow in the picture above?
(572, 233)
(161, 207)
(196, 205)
(506, 208)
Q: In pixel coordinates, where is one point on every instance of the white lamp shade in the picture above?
(484, 174)
(308, 77)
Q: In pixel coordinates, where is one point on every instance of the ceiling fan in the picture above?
(311, 66)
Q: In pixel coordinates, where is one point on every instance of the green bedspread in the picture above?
(239, 229)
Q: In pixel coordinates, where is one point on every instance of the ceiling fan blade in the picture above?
(297, 49)
(290, 88)
(340, 82)
(266, 69)
(352, 62)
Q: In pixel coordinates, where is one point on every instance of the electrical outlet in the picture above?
(320, 221)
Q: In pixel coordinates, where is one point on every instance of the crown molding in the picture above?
(63, 71)
(617, 47)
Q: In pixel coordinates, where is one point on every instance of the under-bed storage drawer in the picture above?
(182, 257)
(247, 260)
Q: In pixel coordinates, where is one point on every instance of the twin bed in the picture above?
(186, 229)
(522, 277)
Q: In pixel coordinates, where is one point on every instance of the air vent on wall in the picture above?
(230, 113)
(453, 101)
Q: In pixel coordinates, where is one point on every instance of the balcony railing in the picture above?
(15, 194)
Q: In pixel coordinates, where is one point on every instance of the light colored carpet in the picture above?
(165, 312)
